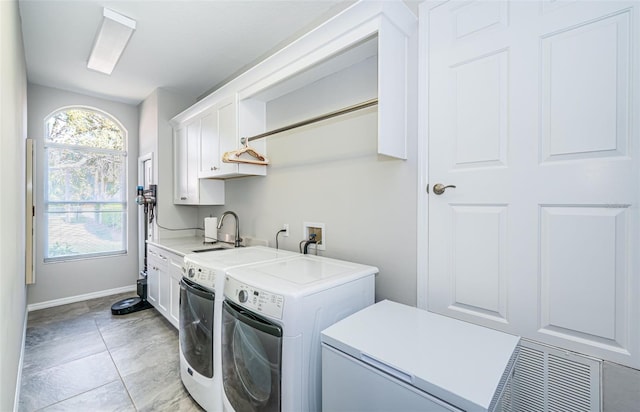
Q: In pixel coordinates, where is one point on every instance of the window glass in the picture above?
(85, 201)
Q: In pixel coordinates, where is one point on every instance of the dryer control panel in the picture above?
(201, 275)
(252, 298)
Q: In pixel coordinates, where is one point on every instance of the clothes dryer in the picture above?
(201, 296)
(272, 317)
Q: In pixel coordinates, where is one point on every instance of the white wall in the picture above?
(13, 112)
(331, 173)
(62, 280)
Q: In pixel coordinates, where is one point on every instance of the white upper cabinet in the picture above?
(219, 135)
(381, 32)
(188, 189)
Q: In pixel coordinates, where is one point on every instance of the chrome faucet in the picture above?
(228, 212)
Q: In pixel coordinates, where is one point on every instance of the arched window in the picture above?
(85, 185)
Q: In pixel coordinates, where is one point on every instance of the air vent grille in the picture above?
(547, 379)
(528, 381)
(569, 385)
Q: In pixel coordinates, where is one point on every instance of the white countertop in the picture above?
(188, 244)
(185, 245)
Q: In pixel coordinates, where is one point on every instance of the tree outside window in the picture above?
(85, 188)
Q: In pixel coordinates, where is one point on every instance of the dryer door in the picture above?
(251, 360)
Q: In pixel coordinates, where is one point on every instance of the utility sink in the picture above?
(211, 249)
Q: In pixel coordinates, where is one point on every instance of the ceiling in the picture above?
(186, 46)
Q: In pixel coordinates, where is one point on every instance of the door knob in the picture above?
(439, 188)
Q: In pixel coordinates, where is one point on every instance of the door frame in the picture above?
(422, 224)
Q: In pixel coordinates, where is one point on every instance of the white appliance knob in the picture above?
(192, 272)
(243, 296)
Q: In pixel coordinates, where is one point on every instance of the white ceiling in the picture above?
(186, 46)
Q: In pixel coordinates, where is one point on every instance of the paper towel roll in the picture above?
(210, 229)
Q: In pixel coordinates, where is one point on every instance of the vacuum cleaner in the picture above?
(147, 199)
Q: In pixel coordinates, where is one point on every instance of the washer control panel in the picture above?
(199, 274)
(252, 298)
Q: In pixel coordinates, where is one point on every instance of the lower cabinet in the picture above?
(175, 274)
(152, 285)
(154, 263)
(164, 295)
(164, 270)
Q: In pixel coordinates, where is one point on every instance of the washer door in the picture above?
(251, 360)
(196, 326)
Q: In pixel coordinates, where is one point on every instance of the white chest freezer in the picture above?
(392, 357)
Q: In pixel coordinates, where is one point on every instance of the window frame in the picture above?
(47, 144)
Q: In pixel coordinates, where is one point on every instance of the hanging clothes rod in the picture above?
(326, 116)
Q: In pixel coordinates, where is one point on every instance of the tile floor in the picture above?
(79, 357)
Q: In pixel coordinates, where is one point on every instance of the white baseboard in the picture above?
(80, 298)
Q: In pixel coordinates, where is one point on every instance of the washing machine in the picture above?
(272, 317)
(201, 296)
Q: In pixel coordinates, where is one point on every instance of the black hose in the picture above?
(279, 231)
(307, 243)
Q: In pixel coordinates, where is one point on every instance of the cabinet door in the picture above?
(193, 148)
(152, 285)
(175, 274)
(164, 293)
(180, 186)
(218, 134)
(210, 156)
(186, 148)
(152, 277)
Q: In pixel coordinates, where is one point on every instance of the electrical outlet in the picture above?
(285, 227)
(317, 229)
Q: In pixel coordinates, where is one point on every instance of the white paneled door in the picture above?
(533, 116)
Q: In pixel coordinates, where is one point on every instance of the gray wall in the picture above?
(331, 173)
(13, 112)
(63, 280)
(156, 137)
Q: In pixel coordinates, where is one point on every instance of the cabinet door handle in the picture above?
(214, 168)
(183, 198)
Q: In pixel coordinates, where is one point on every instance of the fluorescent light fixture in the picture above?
(114, 34)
